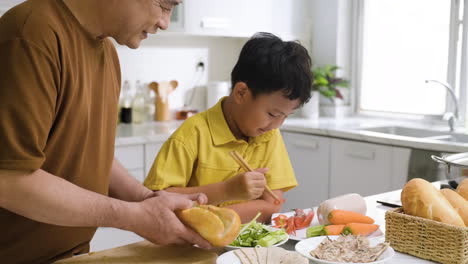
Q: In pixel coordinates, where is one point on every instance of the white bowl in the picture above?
(305, 246)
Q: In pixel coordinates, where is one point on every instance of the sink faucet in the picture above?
(449, 116)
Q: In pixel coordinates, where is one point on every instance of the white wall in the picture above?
(167, 57)
(331, 31)
(332, 36)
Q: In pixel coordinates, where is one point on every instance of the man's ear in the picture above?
(241, 92)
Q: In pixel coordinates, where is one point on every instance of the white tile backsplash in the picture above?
(165, 58)
(149, 64)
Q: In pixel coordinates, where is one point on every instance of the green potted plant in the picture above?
(326, 82)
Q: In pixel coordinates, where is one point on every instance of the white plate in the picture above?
(228, 258)
(301, 233)
(305, 246)
(228, 247)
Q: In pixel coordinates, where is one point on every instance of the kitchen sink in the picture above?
(420, 133)
(404, 131)
(453, 137)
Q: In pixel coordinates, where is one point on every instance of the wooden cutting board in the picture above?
(147, 252)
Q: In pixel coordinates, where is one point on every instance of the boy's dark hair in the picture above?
(268, 64)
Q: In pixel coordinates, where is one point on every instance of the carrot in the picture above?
(342, 217)
(323, 230)
(333, 230)
(360, 229)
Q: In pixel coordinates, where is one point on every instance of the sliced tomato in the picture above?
(298, 220)
(306, 221)
(280, 217)
(280, 221)
(291, 229)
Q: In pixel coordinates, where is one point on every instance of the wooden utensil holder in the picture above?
(162, 109)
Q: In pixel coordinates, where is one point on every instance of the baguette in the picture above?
(421, 198)
(219, 226)
(463, 189)
(458, 202)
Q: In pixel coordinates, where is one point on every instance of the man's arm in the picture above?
(46, 198)
(124, 186)
(265, 204)
(216, 192)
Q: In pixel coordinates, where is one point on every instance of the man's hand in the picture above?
(157, 222)
(247, 185)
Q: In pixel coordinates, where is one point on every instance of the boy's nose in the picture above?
(276, 123)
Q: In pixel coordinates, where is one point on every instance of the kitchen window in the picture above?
(399, 45)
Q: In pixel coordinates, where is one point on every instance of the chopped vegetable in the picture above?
(253, 234)
(342, 217)
(291, 228)
(272, 238)
(301, 220)
(280, 221)
(291, 224)
(324, 230)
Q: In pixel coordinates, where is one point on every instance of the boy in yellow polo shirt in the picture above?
(270, 80)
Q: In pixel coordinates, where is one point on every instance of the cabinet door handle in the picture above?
(310, 144)
(215, 22)
(364, 154)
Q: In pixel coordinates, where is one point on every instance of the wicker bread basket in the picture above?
(426, 238)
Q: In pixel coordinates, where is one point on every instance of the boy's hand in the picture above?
(247, 185)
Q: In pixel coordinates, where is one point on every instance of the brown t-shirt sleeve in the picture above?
(28, 95)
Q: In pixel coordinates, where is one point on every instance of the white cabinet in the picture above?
(132, 158)
(242, 18)
(366, 168)
(309, 156)
(328, 167)
(227, 17)
(138, 158)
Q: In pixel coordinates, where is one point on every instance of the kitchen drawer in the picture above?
(309, 157)
(358, 167)
(131, 157)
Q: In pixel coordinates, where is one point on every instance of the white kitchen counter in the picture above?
(352, 128)
(129, 134)
(346, 128)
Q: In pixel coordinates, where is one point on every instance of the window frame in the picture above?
(357, 29)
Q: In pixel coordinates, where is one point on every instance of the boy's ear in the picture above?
(240, 92)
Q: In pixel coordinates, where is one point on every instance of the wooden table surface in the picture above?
(147, 252)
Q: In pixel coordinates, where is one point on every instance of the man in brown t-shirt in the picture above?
(59, 88)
